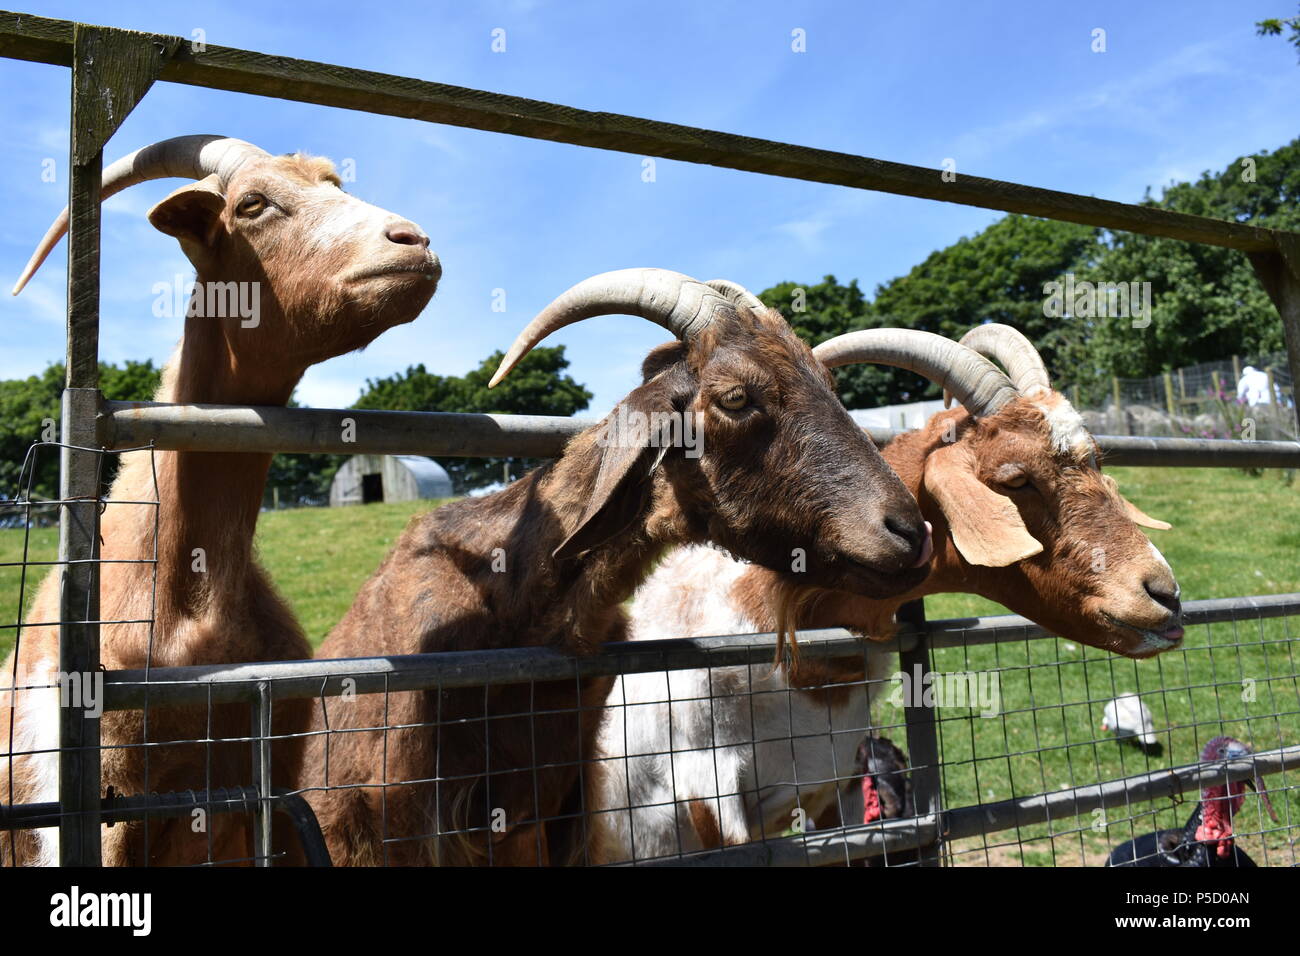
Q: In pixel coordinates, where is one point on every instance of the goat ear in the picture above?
(985, 526)
(629, 456)
(1136, 514)
(662, 357)
(190, 213)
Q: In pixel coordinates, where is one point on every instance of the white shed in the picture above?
(366, 478)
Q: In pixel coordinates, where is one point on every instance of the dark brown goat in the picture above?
(783, 478)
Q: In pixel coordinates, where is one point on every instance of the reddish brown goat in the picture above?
(782, 477)
(330, 274)
(1022, 514)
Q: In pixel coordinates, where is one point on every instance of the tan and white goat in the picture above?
(328, 273)
(1022, 514)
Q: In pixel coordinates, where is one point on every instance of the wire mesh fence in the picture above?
(1018, 719)
(1250, 397)
(1236, 677)
(699, 751)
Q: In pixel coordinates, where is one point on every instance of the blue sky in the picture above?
(1009, 90)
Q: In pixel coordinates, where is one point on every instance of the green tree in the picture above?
(996, 275)
(1274, 27)
(1206, 301)
(28, 405)
(297, 480)
(537, 386)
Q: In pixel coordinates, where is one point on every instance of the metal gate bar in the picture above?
(325, 677)
(274, 429)
(120, 809)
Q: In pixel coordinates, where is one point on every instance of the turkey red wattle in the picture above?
(870, 800)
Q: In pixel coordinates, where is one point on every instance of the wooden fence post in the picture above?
(1121, 424)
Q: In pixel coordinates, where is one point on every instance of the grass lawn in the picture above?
(1233, 535)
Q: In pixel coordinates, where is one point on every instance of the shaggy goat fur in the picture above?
(469, 775)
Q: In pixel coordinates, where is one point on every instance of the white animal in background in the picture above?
(1252, 388)
(1127, 717)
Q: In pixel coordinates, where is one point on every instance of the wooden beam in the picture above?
(244, 71)
(1279, 272)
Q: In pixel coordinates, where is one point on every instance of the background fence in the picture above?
(1243, 397)
(1029, 770)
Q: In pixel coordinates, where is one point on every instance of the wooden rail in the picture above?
(50, 41)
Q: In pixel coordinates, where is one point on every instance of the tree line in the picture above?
(1205, 303)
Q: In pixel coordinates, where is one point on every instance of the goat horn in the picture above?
(736, 293)
(978, 384)
(1015, 353)
(682, 305)
(181, 157)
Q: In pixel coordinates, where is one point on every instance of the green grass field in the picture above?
(1233, 535)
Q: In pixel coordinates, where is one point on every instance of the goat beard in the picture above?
(787, 609)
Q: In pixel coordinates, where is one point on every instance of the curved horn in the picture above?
(181, 157)
(736, 293)
(978, 384)
(1015, 353)
(682, 305)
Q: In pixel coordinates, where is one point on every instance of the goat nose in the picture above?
(1163, 593)
(916, 539)
(406, 234)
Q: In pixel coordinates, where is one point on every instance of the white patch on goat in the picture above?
(342, 216)
(37, 729)
(1068, 431)
(728, 729)
(1160, 559)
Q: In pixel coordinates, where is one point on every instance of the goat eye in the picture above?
(251, 205)
(734, 399)
(1009, 476)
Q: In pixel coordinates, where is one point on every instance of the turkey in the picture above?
(885, 792)
(1129, 719)
(1207, 839)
